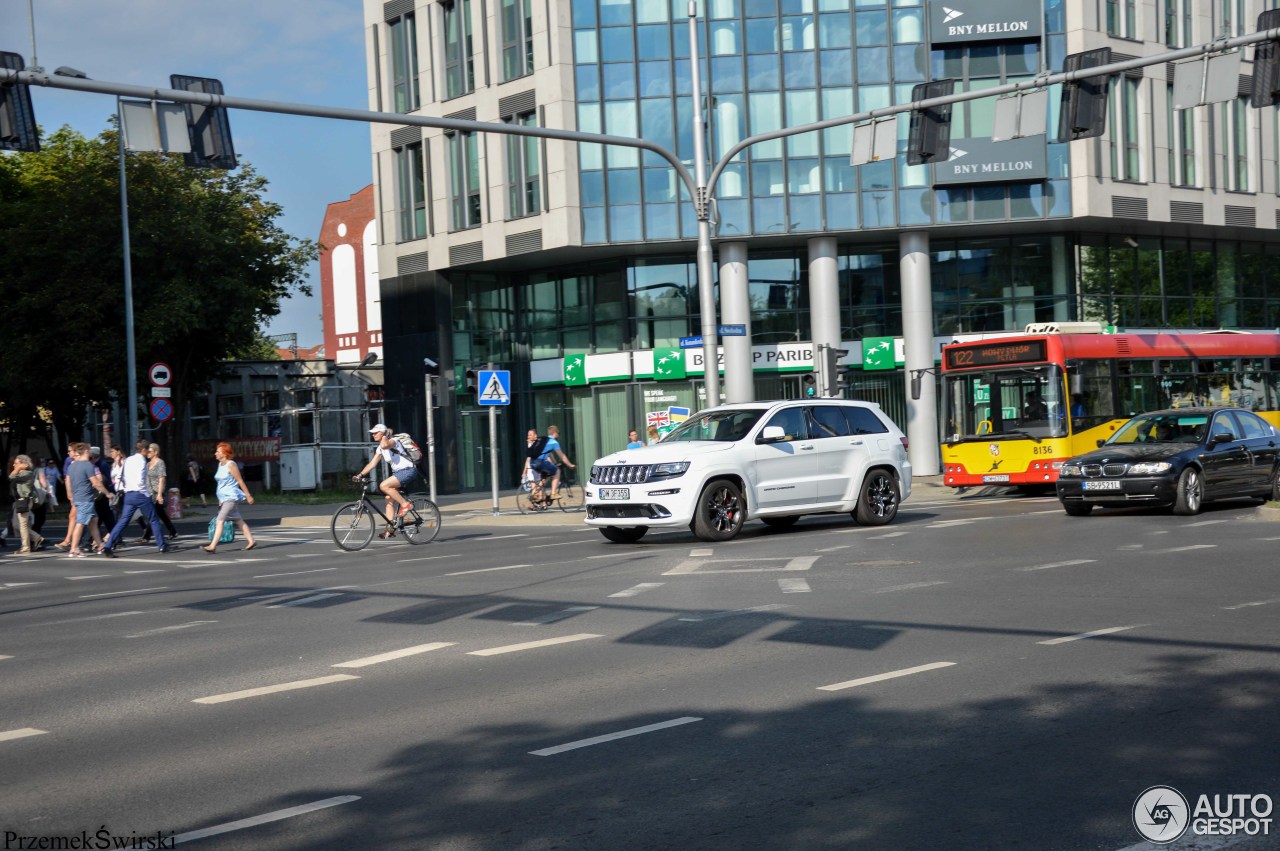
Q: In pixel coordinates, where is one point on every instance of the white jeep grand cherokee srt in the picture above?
(771, 460)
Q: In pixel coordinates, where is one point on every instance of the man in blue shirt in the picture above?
(546, 462)
(83, 482)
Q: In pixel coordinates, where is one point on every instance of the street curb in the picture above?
(1266, 512)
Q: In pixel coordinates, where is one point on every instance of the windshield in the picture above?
(1020, 402)
(717, 425)
(1162, 428)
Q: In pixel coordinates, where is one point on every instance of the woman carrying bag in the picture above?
(22, 487)
(230, 493)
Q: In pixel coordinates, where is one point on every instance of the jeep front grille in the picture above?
(620, 474)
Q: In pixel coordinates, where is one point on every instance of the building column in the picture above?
(824, 307)
(735, 309)
(917, 335)
(1060, 267)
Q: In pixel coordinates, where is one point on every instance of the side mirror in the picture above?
(1101, 441)
(1223, 437)
(772, 434)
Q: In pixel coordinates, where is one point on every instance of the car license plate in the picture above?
(615, 493)
(1102, 486)
(999, 477)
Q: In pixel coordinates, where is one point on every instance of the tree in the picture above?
(209, 267)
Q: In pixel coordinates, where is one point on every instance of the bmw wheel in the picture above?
(1190, 493)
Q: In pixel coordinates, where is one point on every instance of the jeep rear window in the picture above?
(725, 426)
(863, 421)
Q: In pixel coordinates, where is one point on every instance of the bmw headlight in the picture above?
(1149, 468)
(1070, 470)
(669, 470)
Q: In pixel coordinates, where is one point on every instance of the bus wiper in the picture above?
(970, 438)
(1022, 433)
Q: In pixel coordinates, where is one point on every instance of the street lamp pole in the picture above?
(130, 425)
(702, 204)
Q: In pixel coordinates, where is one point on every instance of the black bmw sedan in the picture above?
(1181, 457)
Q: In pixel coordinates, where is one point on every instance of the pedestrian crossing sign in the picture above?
(494, 387)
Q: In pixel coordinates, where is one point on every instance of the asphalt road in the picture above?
(983, 673)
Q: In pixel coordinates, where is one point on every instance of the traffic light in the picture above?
(18, 131)
(209, 126)
(929, 140)
(469, 384)
(831, 357)
(1084, 101)
(1266, 64)
(810, 384)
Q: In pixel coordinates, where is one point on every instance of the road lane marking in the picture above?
(794, 586)
(294, 573)
(133, 572)
(620, 553)
(6, 657)
(491, 569)
(530, 645)
(1092, 634)
(638, 589)
(728, 614)
(394, 654)
(561, 544)
(690, 566)
(93, 576)
(502, 537)
(1185, 549)
(700, 552)
(1255, 603)
(164, 629)
(891, 675)
(258, 692)
(910, 586)
(314, 598)
(887, 535)
(552, 617)
(304, 555)
(609, 737)
(1260, 539)
(833, 549)
(21, 584)
(115, 593)
(267, 596)
(9, 735)
(92, 618)
(427, 558)
(1054, 564)
(1206, 523)
(264, 819)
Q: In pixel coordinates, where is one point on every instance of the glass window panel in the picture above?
(733, 181)
(876, 175)
(684, 78)
(593, 189)
(614, 12)
(684, 127)
(681, 45)
(586, 47)
(833, 6)
(837, 103)
(620, 120)
(871, 28)
(656, 119)
(1026, 201)
(1021, 58)
(624, 186)
(799, 70)
(655, 79)
(593, 229)
(877, 209)
(619, 81)
(616, 44)
(840, 175)
(758, 8)
(766, 115)
(797, 33)
(953, 205)
(653, 41)
(1059, 194)
(652, 11)
(726, 74)
(915, 206)
(802, 108)
(908, 26)
(728, 126)
(660, 184)
(726, 38)
(872, 97)
(661, 221)
(767, 178)
(834, 31)
(735, 218)
(762, 35)
(912, 175)
(725, 9)
(842, 211)
(910, 62)
(584, 13)
(590, 155)
(837, 67)
(588, 82)
(873, 65)
(763, 72)
(624, 223)
(988, 203)
(770, 215)
(805, 176)
(794, 7)
(806, 212)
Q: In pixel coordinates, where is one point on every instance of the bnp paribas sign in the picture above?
(961, 21)
(986, 161)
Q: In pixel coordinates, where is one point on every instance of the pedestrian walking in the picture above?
(136, 499)
(84, 483)
(65, 543)
(230, 493)
(102, 502)
(51, 480)
(22, 488)
(193, 482)
(157, 478)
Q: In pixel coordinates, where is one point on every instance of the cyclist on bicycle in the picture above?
(403, 472)
(546, 463)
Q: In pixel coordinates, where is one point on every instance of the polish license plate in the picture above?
(615, 493)
(998, 477)
(1102, 486)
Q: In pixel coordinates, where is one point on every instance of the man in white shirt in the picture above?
(136, 498)
(403, 471)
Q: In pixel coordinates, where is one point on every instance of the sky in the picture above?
(298, 51)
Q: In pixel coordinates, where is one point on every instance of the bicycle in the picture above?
(353, 524)
(536, 496)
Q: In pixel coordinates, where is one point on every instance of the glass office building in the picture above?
(573, 265)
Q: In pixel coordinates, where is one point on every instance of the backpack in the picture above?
(410, 448)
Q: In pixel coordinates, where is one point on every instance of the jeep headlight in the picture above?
(1070, 470)
(669, 470)
(1149, 468)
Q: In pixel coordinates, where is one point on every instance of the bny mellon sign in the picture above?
(963, 21)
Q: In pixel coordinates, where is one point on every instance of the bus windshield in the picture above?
(1019, 402)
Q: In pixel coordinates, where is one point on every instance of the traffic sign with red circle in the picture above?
(160, 374)
(161, 410)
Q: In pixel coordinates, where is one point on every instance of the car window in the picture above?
(863, 420)
(1252, 426)
(1222, 424)
(791, 421)
(828, 421)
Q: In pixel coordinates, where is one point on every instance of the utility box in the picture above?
(299, 468)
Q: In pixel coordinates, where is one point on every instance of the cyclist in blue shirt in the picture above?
(546, 462)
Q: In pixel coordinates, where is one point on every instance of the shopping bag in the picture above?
(228, 531)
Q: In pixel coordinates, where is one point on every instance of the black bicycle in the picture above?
(536, 495)
(354, 524)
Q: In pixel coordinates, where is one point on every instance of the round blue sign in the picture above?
(161, 410)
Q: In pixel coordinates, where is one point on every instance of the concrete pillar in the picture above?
(824, 306)
(1060, 268)
(735, 309)
(917, 334)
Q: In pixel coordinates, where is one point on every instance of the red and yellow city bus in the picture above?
(1016, 407)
